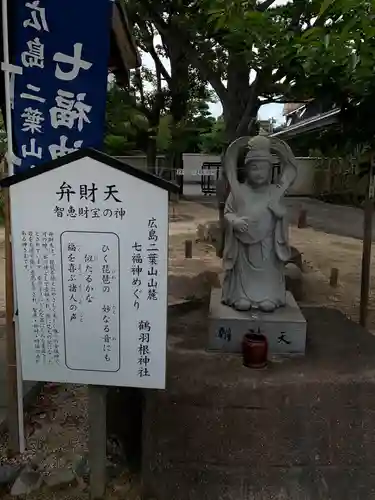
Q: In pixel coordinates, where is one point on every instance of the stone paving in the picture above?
(302, 429)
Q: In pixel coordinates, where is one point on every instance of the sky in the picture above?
(266, 112)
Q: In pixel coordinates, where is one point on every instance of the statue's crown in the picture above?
(259, 148)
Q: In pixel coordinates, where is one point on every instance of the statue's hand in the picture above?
(241, 225)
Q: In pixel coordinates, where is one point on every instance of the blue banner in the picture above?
(59, 102)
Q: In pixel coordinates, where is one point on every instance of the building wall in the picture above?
(305, 182)
(304, 185)
(193, 165)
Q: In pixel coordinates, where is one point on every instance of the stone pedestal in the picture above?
(285, 328)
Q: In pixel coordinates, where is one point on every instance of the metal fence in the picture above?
(209, 176)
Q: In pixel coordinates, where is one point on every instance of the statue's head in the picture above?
(258, 161)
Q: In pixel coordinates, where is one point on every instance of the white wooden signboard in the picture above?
(90, 243)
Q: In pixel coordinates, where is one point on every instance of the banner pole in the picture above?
(15, 385)
(6, 69)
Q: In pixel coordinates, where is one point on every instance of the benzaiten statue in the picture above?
(256, 230)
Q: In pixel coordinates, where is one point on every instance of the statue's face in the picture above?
(258, 172)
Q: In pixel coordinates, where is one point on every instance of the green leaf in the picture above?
(325, 6)
(314, 31)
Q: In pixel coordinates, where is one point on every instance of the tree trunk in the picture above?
(151, 155)
(240, 109)
(179, 90)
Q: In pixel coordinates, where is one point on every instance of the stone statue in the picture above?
(256, 231)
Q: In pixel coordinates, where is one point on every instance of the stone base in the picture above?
(285, 328)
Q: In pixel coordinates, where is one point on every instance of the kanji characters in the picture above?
(87, 193)
(225, 334)
(58, 150)
(136, 270)
(65, 190)
(137, 247)
(144, 337)
(144, 326)
(32, 97)
(152, 223)
(34, 57)
(143, 372)
(72, 213)
(38, 19)
(120, 213)
(83, 212)
(75, 61)
(144, 350)
(153, 258)
(33, 119)
(152, 294)
(69, 109)
(282, 339)
(137, 258)
(33, 151)
(111, 191)
(59, 211)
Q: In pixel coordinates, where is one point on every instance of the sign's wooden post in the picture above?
(12, 386)
(97, 441)
(367, 243)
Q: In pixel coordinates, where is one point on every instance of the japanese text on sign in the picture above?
(57, 108)
(91, 283)
(144, 272)
(39, 251)
(91, 194)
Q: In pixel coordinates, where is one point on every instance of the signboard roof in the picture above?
(95, 155)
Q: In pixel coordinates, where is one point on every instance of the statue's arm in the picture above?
(229, 213)
(277, 208)
(276, 202)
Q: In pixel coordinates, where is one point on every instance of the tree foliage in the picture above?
(128, 126)
(239, 47)
(343, 43)
(253, 52)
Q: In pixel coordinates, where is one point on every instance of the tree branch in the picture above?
(148, 45)
(202, 63)
(159, 65)
(175, 34)
(251, 103)
(283, 101)
(140, 87)
(265, 5)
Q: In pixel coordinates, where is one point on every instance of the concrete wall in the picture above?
(304, 185)
(193, 165)
(140, 161)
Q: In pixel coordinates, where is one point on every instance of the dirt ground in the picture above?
(320, 251)
(56, 431)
